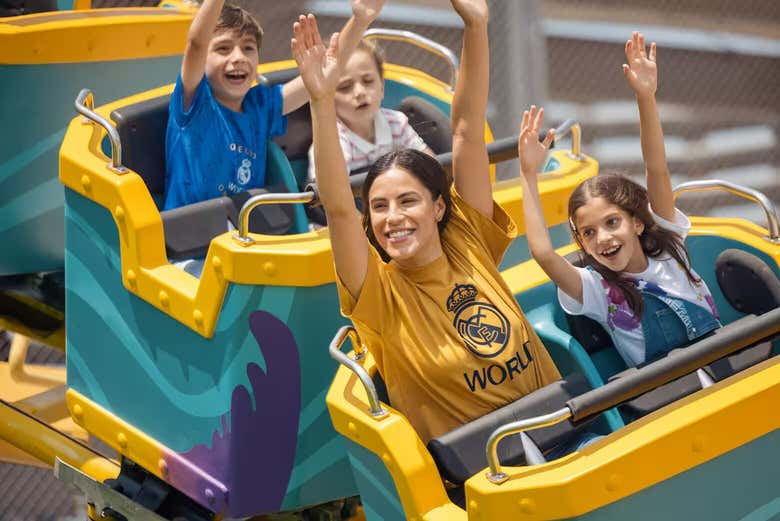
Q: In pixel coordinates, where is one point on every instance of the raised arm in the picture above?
(642, 75)
(532, 154)
(364, 12)
(193, 63)
(470, 167)
(320, 75)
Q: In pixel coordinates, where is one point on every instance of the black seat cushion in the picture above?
(748, 284)
(460, 453)
(429, 122)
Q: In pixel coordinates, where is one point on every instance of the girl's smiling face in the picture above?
(359, 94)
(610, 235)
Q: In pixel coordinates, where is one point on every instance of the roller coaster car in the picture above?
(211, 389)
(45, 58)
(689, 436)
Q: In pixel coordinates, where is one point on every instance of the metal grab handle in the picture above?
(573, 127)
(419, 41)
(375, 407)
(85, 105)
(742, 191)
(253, 202)
(491, 449)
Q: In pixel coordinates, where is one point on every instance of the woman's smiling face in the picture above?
(405, 218)
(610, 235)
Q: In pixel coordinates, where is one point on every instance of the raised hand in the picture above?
(318, 66)
(471, 11)
(529, 148)
(367, 10)
(641, 70)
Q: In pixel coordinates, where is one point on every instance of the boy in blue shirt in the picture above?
(218, 123)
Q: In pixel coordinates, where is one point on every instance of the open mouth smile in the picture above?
(398, 235)
(236, 76)
(611, 252)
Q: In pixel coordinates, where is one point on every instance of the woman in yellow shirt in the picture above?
(418, 276)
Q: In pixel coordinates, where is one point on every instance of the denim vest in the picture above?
(669, 322)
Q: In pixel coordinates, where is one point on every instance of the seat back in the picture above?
(460, 453)
(746, 281)
(430, 123)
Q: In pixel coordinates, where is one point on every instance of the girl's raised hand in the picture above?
(318, 66)
(641, 70)
(471, 11)
(532, 151)
(367, 10)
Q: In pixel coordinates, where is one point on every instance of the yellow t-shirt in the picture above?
(449, 338)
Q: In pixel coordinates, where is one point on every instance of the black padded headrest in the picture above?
(429, 122)
(746, 281)
(460, 453)
(141, 128)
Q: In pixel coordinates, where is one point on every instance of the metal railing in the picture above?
(85, 105)
(253, 202)
(743, 191)
(375, 406)
(419, 41)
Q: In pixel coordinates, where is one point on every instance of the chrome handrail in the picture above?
(242, 236)
(571, 126)
(491, 449)
(422, 42)
(374, 405)
(751, 194)
(85, 105)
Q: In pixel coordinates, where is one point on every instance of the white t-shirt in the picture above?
(392, 131)
(606, 304)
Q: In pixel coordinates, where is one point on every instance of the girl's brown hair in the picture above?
(376, 52)
(655, 241)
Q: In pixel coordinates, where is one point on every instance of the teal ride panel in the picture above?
(38, 100)
(212, 402)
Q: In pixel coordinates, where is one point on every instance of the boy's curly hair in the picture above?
(235, 18)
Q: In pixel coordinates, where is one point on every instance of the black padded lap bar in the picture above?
(728, 340)
(460, 453)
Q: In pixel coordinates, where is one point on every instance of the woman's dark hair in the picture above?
(632, 198)
(424, 168)
(235, 18)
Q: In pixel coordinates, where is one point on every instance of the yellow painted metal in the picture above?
(396, 443)
(118, 434)
(45, 442)
(302, 260)
(672, 440)
(93, 35)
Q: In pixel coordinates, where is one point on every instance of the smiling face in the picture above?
(231, 66)
(610, 235)
(359, 94)
(405, 218)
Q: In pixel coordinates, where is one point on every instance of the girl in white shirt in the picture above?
(638, 282)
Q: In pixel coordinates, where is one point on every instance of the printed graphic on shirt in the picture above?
(619, 313)
(244, 173)
(483, 328)
(498, 373)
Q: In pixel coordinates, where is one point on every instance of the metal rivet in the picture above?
(269, 268)
(119, 212)
(197, 316)
(149, 40)
(164, 300)
(163, 466)
(86, 183)
(78, 412)
(698, 443)
(613, 482)
(527, 505)
(386, 457)
(209, 495)
(473, 505)
(351, 427)
(217, 263)
(121, 439)
(131, 277)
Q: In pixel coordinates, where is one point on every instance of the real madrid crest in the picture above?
(482, 327)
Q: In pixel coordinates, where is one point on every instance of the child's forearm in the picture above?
(350, 36)
(334, 190)
(659, 185)
(203, 24)
(535, 225)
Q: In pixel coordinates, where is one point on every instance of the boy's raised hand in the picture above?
(367, 10)
(641, 70)
(471, 11)
(318, 66)
(529, 148)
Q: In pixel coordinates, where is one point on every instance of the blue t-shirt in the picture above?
(211, 151)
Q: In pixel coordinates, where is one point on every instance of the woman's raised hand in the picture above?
(471, 11)
(318, 66)
(529, 148)
(641, 70)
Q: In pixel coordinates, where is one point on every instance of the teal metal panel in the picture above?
(378, 494)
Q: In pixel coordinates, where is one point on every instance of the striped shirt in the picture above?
(392, 131)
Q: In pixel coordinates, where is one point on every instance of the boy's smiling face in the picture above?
(231, 66)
